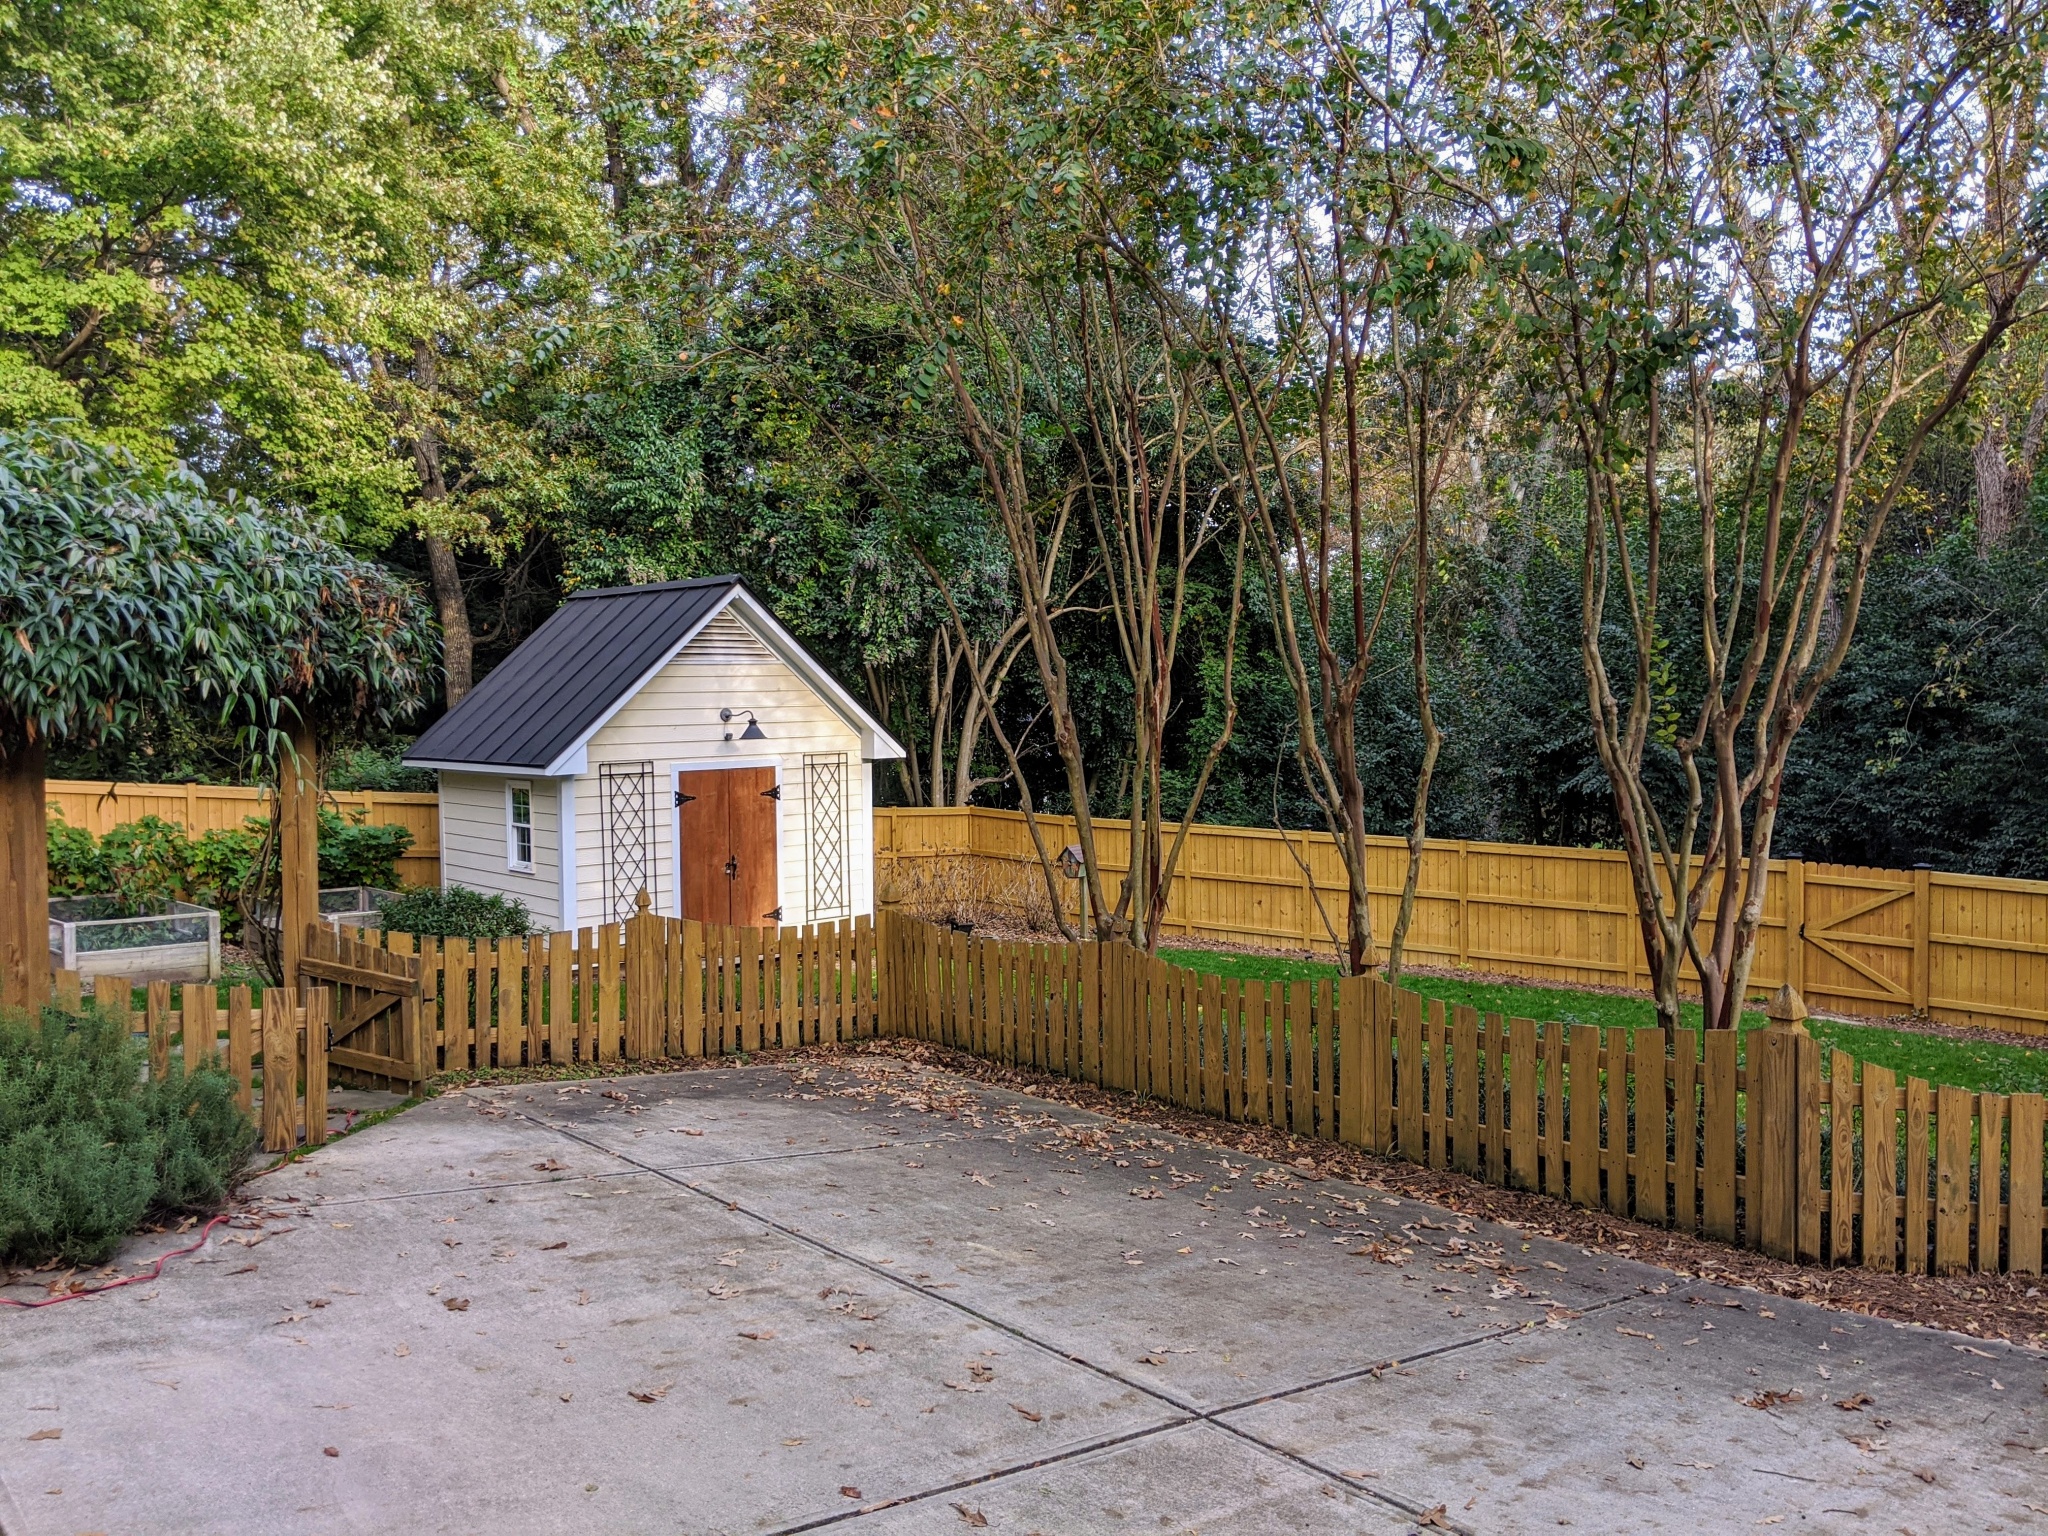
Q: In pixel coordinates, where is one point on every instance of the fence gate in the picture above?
(376, 1019)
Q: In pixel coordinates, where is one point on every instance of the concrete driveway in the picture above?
(875, 1298)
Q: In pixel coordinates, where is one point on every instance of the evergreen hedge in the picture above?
(90, 1150)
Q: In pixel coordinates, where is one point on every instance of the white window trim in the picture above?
(512, 860)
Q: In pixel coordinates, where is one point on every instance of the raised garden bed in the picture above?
(164, 941)
(357, 906)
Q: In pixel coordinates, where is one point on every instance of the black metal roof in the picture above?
(540, 701)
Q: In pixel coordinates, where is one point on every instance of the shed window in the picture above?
(519, 826)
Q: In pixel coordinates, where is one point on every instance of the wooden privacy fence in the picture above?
(1966, 949)
(99, 805)
(276, 1052)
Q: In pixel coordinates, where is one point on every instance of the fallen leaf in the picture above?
(402, 1351)
(47, 1434)
(861, 1347)
(1855, 1404)
(456, 1303)
(330, 1450)
(651, 1395)
(1925, 1474)
(551, 1247)
(848, 1491)
(1636, 1462)
(1033, 1417)
(1766, 1312)
(758, 1335)
(1771, 1399)
(1981, 1354)
(567, 1395)
(973, 1517)
(976, 1371)
(1635, 1333)
(1439, 1518)
(548, 1166)
(341, 1226)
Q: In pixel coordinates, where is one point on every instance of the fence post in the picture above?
(157, 1011)
(1795, 925)
(319, 1011)
(280, 1071)
(1784, 1095)
(1923, 926)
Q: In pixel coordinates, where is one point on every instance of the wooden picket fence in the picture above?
(646, 989)
(1806, 1154)
(276, 1052)
(1844, 1166)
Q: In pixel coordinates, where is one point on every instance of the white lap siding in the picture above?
(674, 721)
(474, 851)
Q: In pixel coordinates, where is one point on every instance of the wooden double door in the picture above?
(725, 822)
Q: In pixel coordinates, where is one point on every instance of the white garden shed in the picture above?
(671, 737)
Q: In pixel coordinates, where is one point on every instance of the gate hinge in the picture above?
(775, 914)
(773, 792)
(683, 799)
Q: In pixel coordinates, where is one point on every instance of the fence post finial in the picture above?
(1786, 1009)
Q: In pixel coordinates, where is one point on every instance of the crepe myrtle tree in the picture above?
(125, 586)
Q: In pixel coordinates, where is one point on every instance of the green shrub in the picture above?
(373, 768)
(89, 1151)
(75, 865)
(142, 863)
(458, 913)
(354, 853)
(147, 863)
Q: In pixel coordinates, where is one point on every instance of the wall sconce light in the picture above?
(753, 732)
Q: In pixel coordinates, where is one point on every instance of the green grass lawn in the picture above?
(1983, 1065)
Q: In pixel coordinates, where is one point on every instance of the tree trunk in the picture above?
(451, 605)
(458, 643)
(25, 874)
(298, 839)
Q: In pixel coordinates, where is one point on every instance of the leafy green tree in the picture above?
(124, 585)
(1753, 251)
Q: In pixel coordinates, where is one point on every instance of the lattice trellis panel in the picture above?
(626, 797)
(826, 822)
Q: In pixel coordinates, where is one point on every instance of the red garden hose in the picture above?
(155, 1270)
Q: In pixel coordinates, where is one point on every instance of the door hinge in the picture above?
(773, 792)
(683, 799)
(775, 914)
